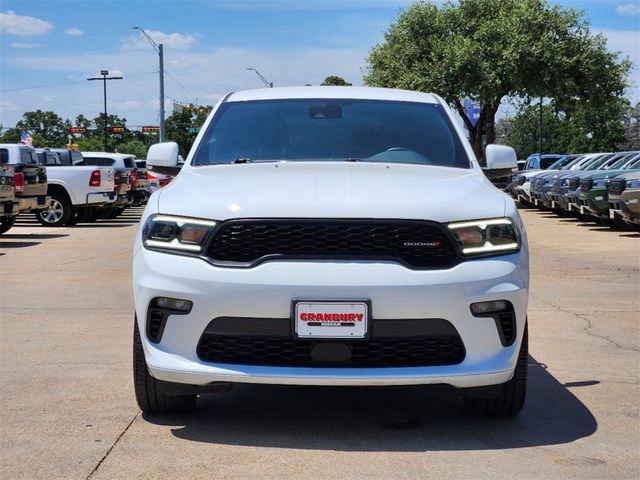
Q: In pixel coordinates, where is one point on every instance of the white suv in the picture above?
(331, 236)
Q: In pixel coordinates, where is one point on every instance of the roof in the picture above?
(356, 93)
(107, 155)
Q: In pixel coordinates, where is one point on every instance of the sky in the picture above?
(49, 48)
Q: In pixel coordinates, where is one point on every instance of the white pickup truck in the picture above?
(73, 189)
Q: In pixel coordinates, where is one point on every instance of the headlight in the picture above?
(633, 183)
(176, 234)
(600, 183)
(486, 237)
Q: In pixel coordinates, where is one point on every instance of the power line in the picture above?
(65, 83)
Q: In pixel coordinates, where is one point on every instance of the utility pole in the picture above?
(160, 51)
(104, 79)
(264, 80)
(540, 128)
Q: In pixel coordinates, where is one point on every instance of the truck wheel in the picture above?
(58, 213)
(106, 212)
(512, 394)
(93, 214)
(151, 393)
(77, 216)
(6, 223)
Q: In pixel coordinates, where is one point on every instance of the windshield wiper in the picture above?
(241, 160)
(353, 160)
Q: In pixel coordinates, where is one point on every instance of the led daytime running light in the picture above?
(482, 224)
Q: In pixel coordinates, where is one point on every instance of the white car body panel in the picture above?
(75, 180)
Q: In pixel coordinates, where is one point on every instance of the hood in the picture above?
(608, 174)
(332, 190)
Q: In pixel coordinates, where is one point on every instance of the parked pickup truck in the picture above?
(73, 189)
(30, 179)
(8, 202)
(125, 164)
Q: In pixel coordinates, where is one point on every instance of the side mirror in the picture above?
(502, 161)
(163, 158)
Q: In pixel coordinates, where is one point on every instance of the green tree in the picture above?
(90, 144)
(492, 49)
(631, 125)
(182, 127)
(577, 129)
(335, 80)
(134, 147)
(47, 128)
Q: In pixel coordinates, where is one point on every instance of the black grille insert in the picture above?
(269, 341)
(383, 352)
(416, 244)
(585, 185)
(616, 187)
(574, 183)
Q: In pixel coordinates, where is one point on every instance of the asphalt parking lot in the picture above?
(68, 411)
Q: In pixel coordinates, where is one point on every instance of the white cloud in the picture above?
(74, 31)
(628, 9)
(124, 105)
(170, 40)
(22, 25)
(199, 74)
(25, 45)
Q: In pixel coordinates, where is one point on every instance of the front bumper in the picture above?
(266, 291)
(631, 203)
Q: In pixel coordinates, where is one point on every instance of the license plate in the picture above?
(612, 214)
(570, 206)
(535, 202)
(339, 319)
(581, 209)
(553, 204)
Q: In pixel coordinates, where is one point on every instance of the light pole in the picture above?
(264, 80)
(160, 51)
(104, 79)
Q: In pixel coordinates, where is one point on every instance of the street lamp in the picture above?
(264, 80)
(160, 51)
(104, 79)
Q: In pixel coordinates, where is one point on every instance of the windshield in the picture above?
(546, 162)
(559, 164)
(598, 162)
(331, 130)
(99, 161)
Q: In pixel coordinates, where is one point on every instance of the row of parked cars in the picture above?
(64, 187)
(602, 187)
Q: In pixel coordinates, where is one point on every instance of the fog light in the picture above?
(482, 308)
(173, 304)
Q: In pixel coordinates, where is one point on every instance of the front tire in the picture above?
(512, 394)
(151, 394)
(59, 212)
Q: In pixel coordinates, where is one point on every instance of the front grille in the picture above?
(585, 185)
(616, 187)
(384, 352)
(416, 244)
(574, 183)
